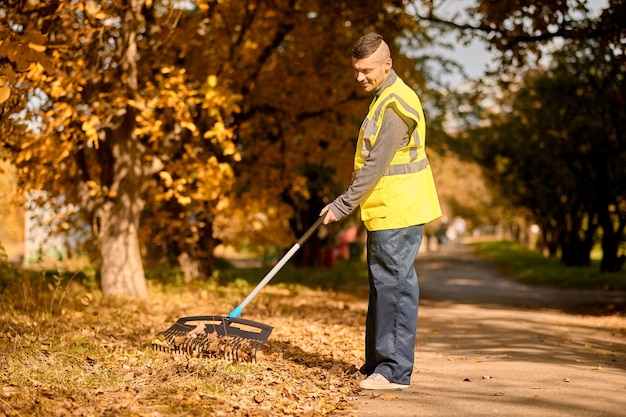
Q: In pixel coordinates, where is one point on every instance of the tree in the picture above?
(296, 136)
(110, 117)
(590, 37)
(132, 110)
(520, 30)
(557, 149)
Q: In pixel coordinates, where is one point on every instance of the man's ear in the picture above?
(388, 65)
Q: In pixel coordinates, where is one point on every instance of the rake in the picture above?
(225, 337)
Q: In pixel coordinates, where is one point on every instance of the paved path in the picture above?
(489, 346)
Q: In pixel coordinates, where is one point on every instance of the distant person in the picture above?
(393, 184)
(442, 231)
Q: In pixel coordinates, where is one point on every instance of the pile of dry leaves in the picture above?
(81, 355)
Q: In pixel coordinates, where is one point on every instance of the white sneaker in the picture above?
(377, 381)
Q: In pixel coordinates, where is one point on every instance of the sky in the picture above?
(475, 57)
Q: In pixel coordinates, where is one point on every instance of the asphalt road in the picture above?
(489, 346)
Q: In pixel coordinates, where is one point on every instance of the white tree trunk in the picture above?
(122, 268)
(118, 218)
(190, 267)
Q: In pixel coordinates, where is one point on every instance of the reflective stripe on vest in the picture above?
(372, 126)
(409, 168)
(408, 108)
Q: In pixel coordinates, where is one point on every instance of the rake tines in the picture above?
(213, 337)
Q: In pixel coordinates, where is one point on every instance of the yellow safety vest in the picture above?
(406, 194)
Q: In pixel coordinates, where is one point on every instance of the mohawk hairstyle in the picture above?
(366, 45)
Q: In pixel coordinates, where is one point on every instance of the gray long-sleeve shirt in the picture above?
(394, 134)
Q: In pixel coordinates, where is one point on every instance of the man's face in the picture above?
(371, 71)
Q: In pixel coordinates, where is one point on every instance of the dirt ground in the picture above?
(490, 346)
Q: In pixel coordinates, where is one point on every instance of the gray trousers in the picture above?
(391, 321)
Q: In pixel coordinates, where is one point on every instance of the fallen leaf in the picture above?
(5, 92)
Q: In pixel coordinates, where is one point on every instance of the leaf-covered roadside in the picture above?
(69, 352)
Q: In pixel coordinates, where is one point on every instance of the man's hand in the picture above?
(330, 217)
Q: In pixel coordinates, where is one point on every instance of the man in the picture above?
(394, 186)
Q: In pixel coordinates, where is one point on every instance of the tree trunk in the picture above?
(122, 269)
(549, 239)
(197, 260)
(190, 266)
(117, 220)
(312, 253)
(610, 262)
(576, 251)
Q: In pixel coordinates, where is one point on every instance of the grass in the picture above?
(67, 350)
(532, 268)
(344, 275)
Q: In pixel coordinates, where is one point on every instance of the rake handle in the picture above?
(311, 230)
(238, 310)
